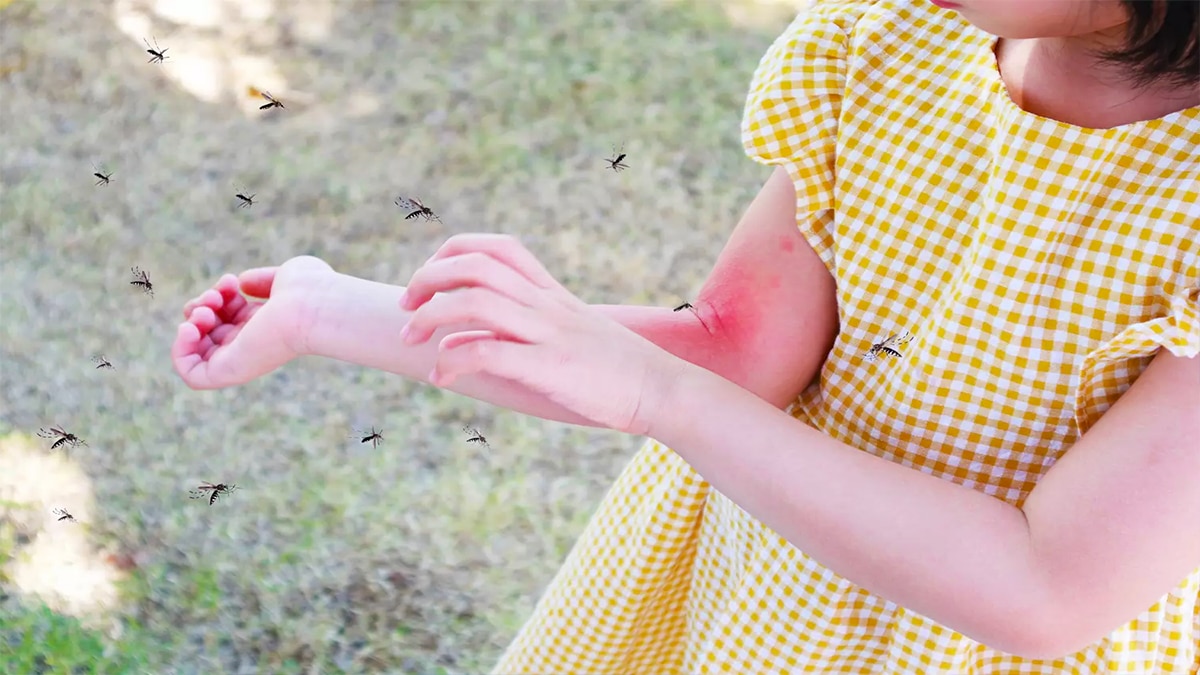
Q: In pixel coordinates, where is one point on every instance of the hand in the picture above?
(227, 339)
(512, 320)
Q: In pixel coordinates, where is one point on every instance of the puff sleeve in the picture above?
(792, 110)
(1112, 367)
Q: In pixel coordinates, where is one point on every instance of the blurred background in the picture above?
(423, 555)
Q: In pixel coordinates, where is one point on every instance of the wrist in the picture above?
(316, 311)
(665, 400)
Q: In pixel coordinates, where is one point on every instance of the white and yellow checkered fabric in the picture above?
(1038, 267)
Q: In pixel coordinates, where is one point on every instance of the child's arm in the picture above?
(1107, 531)
(766, 319)
(359, 321)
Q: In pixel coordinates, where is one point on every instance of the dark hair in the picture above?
(1161, 43)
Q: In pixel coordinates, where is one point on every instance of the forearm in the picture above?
(359, 321)
(943, 550)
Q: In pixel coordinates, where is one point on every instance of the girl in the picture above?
(940, 414)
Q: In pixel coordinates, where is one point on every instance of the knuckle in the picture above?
(478, 351)
(476, 300)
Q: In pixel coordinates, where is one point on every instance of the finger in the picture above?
(467, 270)
(207, 298)
(225, 332)
(204, 319)
(455, 339)
(186, 359)
(204, 364)
(213, 297)
(481, 309)
(503, 247)
(497, 357)
(233, 303)
(257, 282)
(213, 331)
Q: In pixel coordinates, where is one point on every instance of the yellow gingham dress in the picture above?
(1038, 265)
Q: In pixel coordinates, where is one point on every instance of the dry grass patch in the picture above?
(428, 552)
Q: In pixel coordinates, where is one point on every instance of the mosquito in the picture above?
(157, 54)
(615, 164)
(62, 438)
(140, 279)
(216, 490)
(274, 102)
(246, 201)
(888, 346)
(63, 515)
(416, 208)
(103, 177)
(476, 437)
(373, 437)
(688, 305)
(101, 362)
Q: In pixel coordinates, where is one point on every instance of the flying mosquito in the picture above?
(63, 515)
(101, 362)
(416, 208)
(157, 54)
(246, 201)
(62, 438)
(888, 346)
(103, 177)
(216, 491)
(274, 102)
(373, 437)
(615, 164)
(140, 279)
(476, 437)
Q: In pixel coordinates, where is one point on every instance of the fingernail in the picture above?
(404, 298)
(404, 334)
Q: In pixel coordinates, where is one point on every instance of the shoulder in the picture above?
(871, 35)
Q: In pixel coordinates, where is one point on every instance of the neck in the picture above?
(1059, 78)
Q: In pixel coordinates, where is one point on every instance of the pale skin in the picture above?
(1047, 68)
(1108, 530)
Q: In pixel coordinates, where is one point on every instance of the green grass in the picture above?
(35, 639)
(426, 554)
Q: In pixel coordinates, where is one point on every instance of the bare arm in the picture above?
(1106, 532)
(769, 300)
(359, 321)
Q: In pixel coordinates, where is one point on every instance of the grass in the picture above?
(426, 554)
(35, 639)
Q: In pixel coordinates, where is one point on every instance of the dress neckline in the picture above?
(997, 85)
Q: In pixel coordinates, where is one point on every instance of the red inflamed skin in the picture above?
(770, 301)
